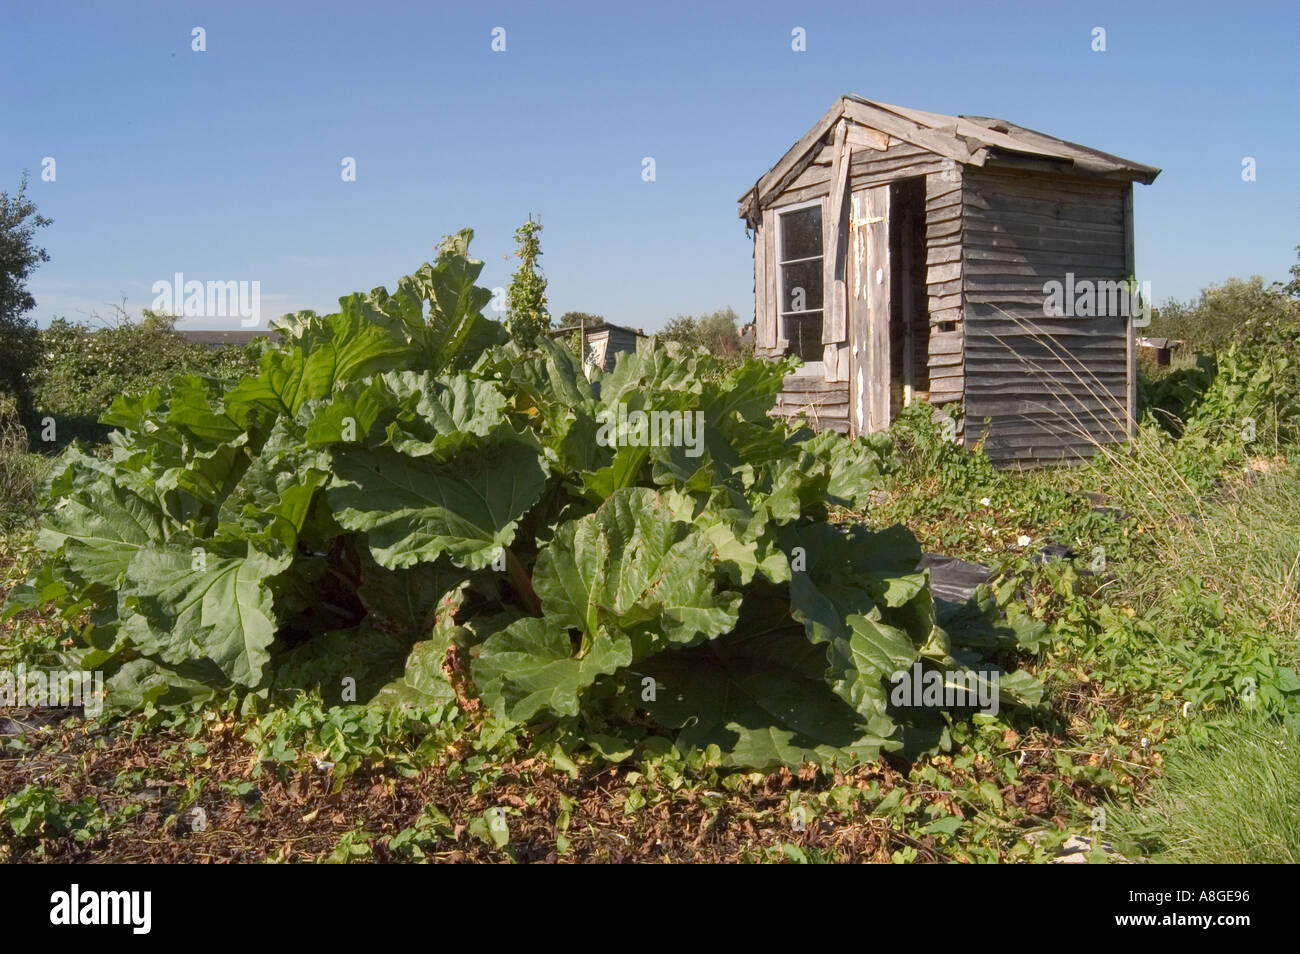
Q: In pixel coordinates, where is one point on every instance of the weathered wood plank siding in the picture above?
(943, 211)
(1051, 388)
(619, 340)
(868, 167)
(824, 404)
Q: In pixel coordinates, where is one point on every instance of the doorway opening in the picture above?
(909, 313)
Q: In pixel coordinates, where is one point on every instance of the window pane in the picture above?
(805, 335)
(806, 276)
(801, 233)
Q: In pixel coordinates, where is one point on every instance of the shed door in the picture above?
(598, 348)
(869, 309)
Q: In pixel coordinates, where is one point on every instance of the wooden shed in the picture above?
(1162, 349)
(907, 255)
(602, 342)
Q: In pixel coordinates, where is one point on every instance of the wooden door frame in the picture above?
(869, 300)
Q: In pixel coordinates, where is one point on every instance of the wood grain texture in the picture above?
(1051, 388)
(764, 339)
(835, 250)
(876, 344)
(822, 404)
(1130, 267)
(766, 329)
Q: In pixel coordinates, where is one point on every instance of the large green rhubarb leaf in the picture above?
(200, 604)
(762, 699)
(408, 599)
(849, 589)
(739, 539)
(548, 385)
(414, 510)
(441, 417)
(531, 667)
(453, 334)
(631, 568)
(189, 408)
(102, 529)
(141, 681)
(420, 415)
(424, 684)
(616, 585)
(852, 469)
(334, 350)
(657, 376)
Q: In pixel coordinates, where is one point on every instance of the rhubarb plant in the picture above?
(403, 507)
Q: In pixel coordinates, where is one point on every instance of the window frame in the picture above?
(778, 214)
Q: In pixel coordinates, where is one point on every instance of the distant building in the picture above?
(602, 342)
(223, 339)
(1162, 348)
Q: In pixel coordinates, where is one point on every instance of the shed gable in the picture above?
(967, 140)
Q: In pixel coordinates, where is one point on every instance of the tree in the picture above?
(714, 331)
(681, 329)
(527, 316)
(19, 256)
(1258, 321)
(572, 319)
(1239, 310)
(718, 334)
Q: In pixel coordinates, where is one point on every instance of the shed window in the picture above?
(799, 261)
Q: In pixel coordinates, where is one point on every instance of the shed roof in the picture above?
(971, 140)
(1146, 342)
(218, 338)
(599, 326)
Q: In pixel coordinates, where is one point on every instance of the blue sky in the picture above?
(225, 164)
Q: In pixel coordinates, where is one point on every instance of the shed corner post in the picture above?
(766, 304)
(1130, 267)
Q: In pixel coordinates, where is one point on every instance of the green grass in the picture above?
(1227, 580)
(1217, 604)
(1251, 536)
(21, 474)
(1231, 798)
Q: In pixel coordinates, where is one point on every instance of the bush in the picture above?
(923, 441)
(1237, 402)
(1247, 377)
(1244, 312)
(21, 472)
(715, 332)
(83, 369)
